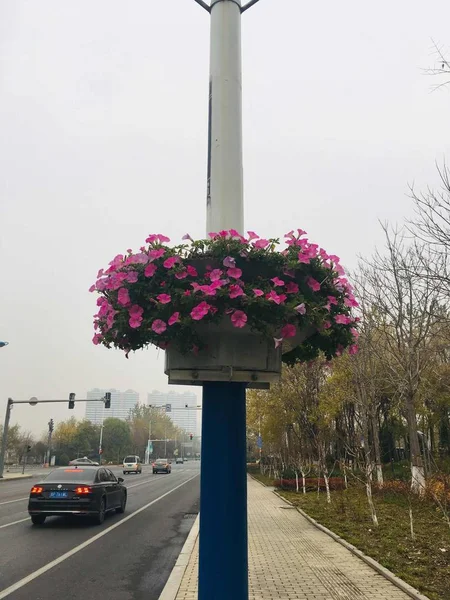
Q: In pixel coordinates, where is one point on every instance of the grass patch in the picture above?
(256, 474)
(423, 563)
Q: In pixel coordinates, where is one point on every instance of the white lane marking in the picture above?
(14, 523)
(11, 501)
(19, 584)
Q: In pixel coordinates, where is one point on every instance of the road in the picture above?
(129, 557)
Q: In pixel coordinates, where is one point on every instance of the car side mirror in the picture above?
(120, 479)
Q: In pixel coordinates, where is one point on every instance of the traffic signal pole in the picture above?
(33, 402)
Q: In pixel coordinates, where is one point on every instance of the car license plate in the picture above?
(58, 494)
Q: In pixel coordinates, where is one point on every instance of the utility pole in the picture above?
(5, 435)
(223, 554)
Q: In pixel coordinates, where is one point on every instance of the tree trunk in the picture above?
(296, 481)
(303, 481)
(376, 447)
(417, 468)
(373, 512)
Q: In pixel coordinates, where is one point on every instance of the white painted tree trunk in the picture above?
(327, 487)
(418, 479)
(304, 482)
(380, 479)
(411, 524)
(296, 482)
(373, 512)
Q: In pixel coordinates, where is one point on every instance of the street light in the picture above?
(3, 344)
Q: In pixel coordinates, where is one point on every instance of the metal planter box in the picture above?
(232, 354)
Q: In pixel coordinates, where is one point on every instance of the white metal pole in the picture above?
(225, 195)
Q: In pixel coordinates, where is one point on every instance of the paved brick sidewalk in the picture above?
(291, 559)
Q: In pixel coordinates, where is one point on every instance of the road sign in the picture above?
(259, 442)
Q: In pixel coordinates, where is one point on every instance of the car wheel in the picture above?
(121, 508)
(38, 519)
(100, 517)
(125, 472)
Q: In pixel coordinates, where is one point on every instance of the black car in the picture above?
(82, 491)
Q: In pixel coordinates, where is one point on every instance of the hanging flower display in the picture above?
(160, 294)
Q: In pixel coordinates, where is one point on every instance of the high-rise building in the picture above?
(121, 404)
(188, 418)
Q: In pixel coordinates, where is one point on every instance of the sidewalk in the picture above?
(291, 559)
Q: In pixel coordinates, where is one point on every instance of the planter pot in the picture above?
(232, 354)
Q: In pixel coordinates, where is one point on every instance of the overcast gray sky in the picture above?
(103, 123)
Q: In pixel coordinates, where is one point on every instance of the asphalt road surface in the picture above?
(129, 557)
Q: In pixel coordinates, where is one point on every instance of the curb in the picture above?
(172, 586)
(402, 585)
(6, 479)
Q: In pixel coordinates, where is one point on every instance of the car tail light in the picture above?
(154, 465)
(36, 489)
(83, 490)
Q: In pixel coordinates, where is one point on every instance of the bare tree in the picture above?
(441, 68)
(407, 303)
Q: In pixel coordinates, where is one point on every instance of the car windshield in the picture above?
(130, 459)
(161, 461)
(78, 475)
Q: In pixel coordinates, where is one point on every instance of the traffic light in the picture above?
(51, 425)
(71, 400)
(28, 448)
(108, 400)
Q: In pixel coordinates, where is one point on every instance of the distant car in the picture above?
(83, 461)
(161, 466)
(179, 461)
(132, 464)
(86, 491)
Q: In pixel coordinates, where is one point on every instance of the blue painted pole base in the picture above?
(223, 556)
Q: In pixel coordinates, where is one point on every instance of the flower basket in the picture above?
(227, 308)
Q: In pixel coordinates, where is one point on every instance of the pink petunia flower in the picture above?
(313, 284)
(239, 318)
(332, 300)
(181, 274)
(326, 324)
(252, 236)
(135, 310)
(150, 270)
(199, 311)
(135, 321)
(261, 244)
(192, 271)
(277, 281)
(236, 291)
(258, 292)
(132, 276)
(164, 298)
(175, 318)
(292, 288)
(151, 238)
(288, 331)
(353, 349)
(97, 339)
(278, 342)
(154, 254)
(187, 237)
(229, 262)
(172, 261)
(213, 234)
(355, 333)
(123, 297)
(92, 288)
(301, 308)
(215, 274)
(163, 238)
(159, 326)
(274, 297)
(234, 272)
(343, 319)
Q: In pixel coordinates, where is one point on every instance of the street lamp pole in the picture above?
(223, 552)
